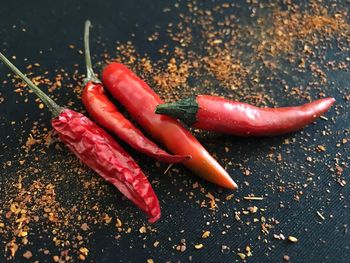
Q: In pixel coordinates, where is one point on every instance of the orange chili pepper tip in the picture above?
(230, 184)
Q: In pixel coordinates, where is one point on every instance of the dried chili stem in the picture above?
(90, 75)
(53, 106)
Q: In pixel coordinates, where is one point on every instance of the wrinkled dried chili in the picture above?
(94, 147)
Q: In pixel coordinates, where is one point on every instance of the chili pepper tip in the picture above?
(155, 218)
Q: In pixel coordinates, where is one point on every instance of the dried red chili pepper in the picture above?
(105, 113)
(94, 147)
(213, 113)
(140, 100)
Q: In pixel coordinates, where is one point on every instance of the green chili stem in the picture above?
(54, 108)
(90, 75)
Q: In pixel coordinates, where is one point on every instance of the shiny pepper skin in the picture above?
(141, 101)
(237, 118)
(106, 114)
(217, 114)
(98, 150)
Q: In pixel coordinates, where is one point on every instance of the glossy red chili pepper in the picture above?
(213, 113)
(140, 100)
(94, 147)
(106, 114)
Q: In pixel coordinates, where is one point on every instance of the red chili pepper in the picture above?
(140, 100)
(103, 111)
(213, 113)
(94, 147)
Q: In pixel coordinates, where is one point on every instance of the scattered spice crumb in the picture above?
(292, 239)
(206, 234)
(199, 246)
(28, 254)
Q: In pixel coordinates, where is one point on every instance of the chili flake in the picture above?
(292, 239)
(199, 246)
(206, 234)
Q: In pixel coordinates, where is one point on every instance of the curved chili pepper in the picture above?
(103, 111)
(94, 147)
(213, 113)
(140, 100)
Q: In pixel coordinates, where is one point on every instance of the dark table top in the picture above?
(305, 199)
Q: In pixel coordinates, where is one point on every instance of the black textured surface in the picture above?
(51, 26)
